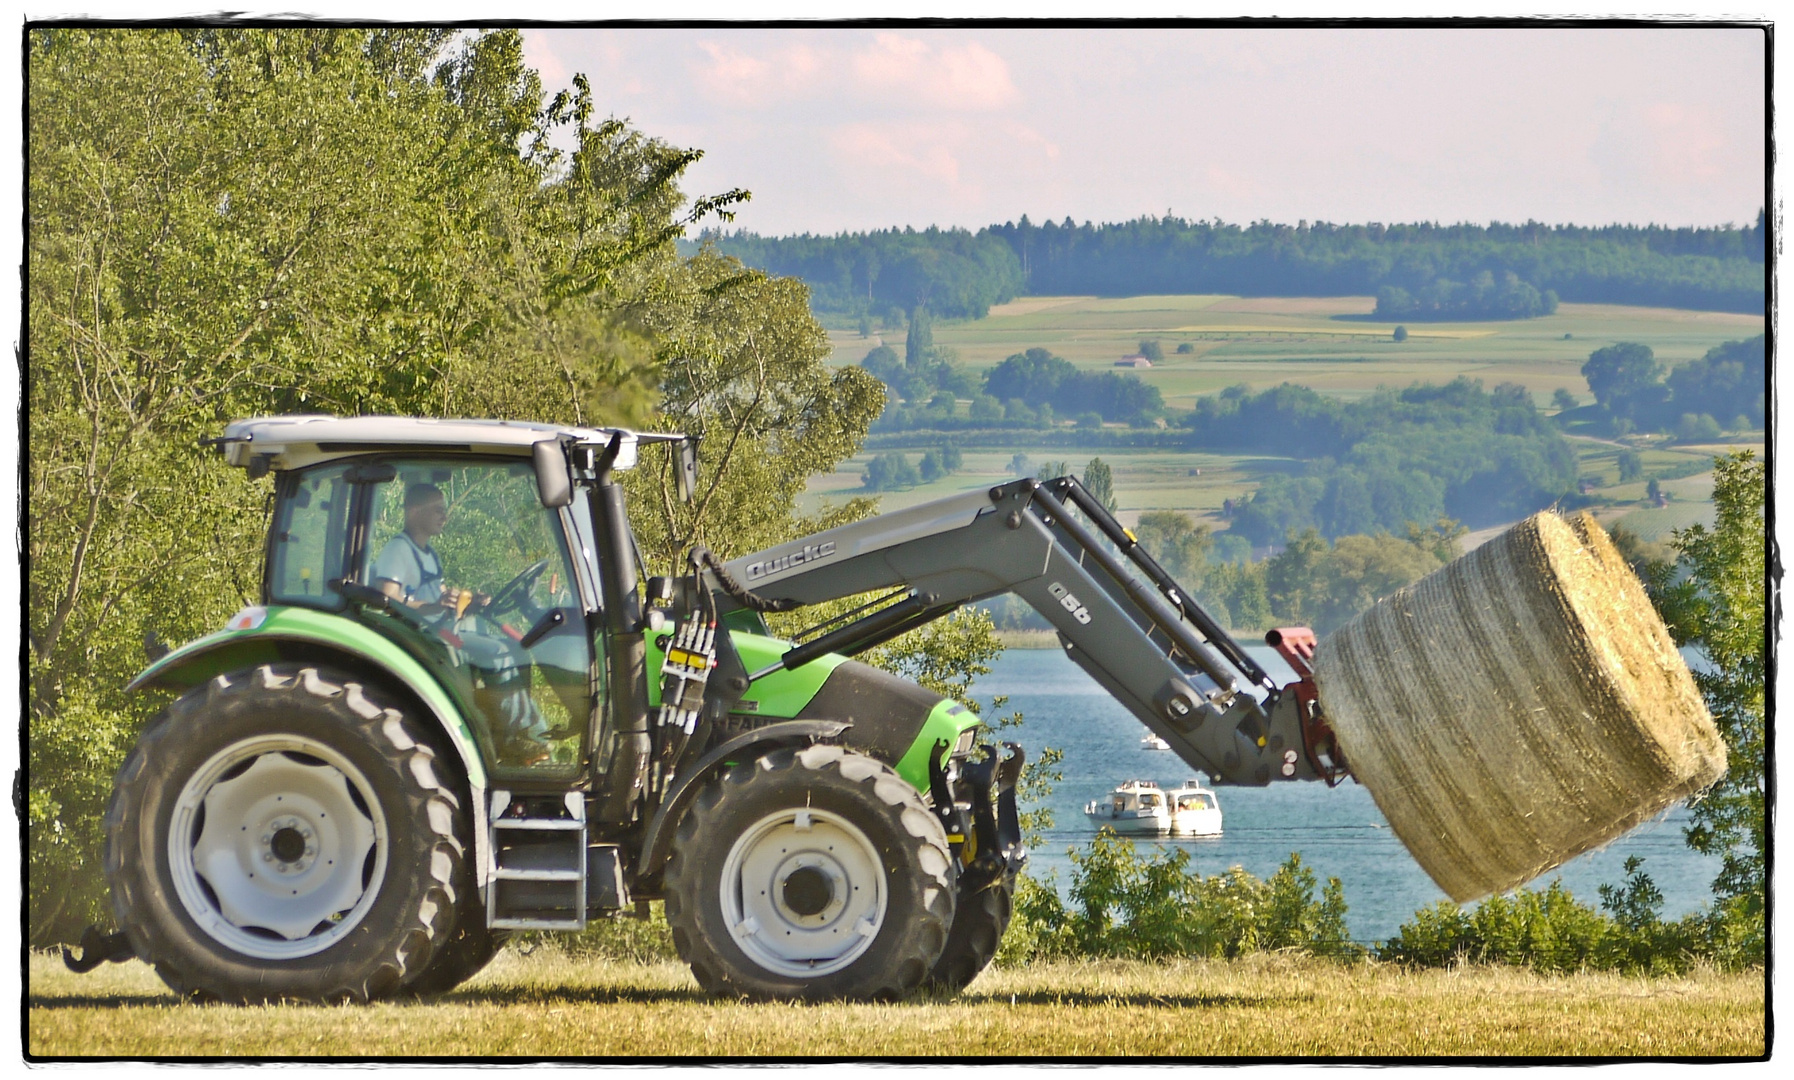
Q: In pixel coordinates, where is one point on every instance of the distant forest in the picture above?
(1399, 456)
(1417, 270)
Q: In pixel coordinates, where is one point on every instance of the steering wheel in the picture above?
(514, 592)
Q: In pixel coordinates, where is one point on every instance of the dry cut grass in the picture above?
(551, 1006)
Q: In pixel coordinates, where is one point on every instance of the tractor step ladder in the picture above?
(538, 878)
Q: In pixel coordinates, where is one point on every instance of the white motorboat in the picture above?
(1138, 806)
(1195, 811)
(1154, 742)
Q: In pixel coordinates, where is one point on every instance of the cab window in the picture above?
(480, 571)
(310, 534)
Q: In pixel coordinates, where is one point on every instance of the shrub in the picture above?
(1551, 931)
(1130, 907)
(891, 471)
(1697, 428)
(1548, 931)
(1434, 937)
(1631, 465)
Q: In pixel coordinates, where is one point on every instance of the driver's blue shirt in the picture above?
(417, 570)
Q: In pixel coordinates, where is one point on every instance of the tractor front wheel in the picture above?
(979, 920)
(815, 874)
(282, 834)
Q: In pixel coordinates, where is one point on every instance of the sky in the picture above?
(842, 129)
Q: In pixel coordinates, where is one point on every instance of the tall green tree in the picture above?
(744, 370)
(1621, 376)
(918, 343)
(1099, 480)
(1716, 604)
(1179, 544)
(231, 221)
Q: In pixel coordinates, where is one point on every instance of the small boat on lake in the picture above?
(1194, 810)
(1154, 742)
(1138, 806)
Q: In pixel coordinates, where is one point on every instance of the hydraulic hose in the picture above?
(702, 556)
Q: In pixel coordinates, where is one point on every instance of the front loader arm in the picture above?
(1119, 616)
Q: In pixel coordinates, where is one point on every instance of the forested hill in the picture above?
(952, 272)
(956, 273)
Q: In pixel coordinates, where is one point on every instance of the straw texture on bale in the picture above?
(1518, 707)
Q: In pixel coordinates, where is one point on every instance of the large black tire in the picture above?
(328, 794)
(461, 957)
(816, 874)
(466, 951)
(472, 945)
(979, 919)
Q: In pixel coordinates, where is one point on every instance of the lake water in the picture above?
(1339, 831)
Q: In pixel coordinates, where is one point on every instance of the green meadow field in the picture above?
(1329, 344)
(549, 1005)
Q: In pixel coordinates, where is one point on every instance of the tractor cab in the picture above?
(472, 576)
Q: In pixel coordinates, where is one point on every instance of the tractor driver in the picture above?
(408, 568)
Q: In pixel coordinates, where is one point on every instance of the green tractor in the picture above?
(461, 709)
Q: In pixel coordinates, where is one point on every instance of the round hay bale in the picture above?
(1518, 707)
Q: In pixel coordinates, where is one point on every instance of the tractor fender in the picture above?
(258, 635)
(659, 838)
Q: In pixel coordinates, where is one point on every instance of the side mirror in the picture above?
(551, 473)
(685, 468)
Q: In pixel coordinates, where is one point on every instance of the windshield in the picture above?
(480, 575)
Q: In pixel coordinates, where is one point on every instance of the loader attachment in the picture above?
(1119, 615)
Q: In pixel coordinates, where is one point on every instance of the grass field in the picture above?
(1327, 343)
(548, 1006)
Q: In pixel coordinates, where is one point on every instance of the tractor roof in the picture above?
(291, 442)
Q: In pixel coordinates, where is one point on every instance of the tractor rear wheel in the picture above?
(815, 874)
(281, 834)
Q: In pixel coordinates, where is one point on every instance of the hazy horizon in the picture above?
(847, 129)
(735, 227)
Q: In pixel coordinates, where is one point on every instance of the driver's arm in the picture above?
(396, 590)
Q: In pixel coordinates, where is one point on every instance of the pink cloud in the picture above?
(746, 79)
(967, 76)
(732, 74)
(1027, 136)
(1686, 141)
(539, 53)
(912, 148)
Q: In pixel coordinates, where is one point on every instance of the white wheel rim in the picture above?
(276, 856)
(803, 892)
